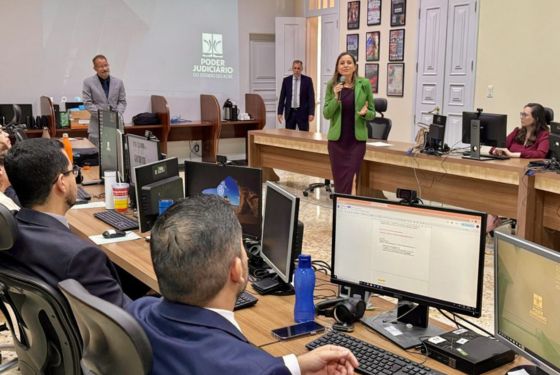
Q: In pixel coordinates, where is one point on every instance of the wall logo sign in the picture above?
(212, 62)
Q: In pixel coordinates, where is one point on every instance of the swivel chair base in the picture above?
(317, 185)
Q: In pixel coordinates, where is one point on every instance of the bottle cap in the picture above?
(304, 261)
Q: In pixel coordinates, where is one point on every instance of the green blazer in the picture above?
(333, 110)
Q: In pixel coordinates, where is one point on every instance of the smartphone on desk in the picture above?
(301, 329)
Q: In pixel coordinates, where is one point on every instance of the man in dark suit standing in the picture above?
(201, 267)
(297, 99)
(45, 182)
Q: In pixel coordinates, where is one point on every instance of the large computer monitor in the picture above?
(527, 301)
(493, 128)
(111, 153)
(154, 182)
(139, 151)
(281, 241)
(241, 186)
(424, 256)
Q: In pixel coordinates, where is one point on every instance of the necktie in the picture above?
(295, 96)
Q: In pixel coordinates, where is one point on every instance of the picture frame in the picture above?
(373, 12)
(353, 17)
(395, 79)
(372, 45)
(372, 74)
(398, 13)
(396, 45)
(352, 45)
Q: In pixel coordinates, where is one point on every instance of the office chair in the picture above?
(44, 332)
(379, 127)
(114, 342)
(548, 115)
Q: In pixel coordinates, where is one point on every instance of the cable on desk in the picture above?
(269, 343)
(455, 316)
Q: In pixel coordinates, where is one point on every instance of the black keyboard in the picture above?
(372, 359)
(498, 157)
(116, 220)
(82, 194)
(244, 300)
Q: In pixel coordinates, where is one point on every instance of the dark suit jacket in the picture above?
(306, 96)
(192, 340)
(47, 249)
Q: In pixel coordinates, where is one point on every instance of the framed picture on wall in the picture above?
(398, 12)
(372, 73)
(372, 46)
(352, 41)
(396, 45)
(373, 12)
(353, 19)
(395, 79)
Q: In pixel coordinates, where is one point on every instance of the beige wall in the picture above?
(399, 110)
(519, 55)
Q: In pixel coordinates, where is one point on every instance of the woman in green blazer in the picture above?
(348, 105)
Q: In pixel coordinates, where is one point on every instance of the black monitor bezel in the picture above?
(143, 174)
(256, 235)
(474, 311)
(485, 118)
(294, 216)
(118, 126)
(537, 250)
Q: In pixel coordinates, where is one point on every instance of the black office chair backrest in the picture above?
(379, 127)
(45, 335)
(548, 115)
(114, 342)
(8, 228)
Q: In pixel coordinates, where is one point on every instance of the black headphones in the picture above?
(343, 310)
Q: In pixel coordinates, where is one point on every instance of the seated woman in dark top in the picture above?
(531, 139)
(528, 141)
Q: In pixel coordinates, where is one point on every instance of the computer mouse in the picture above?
(113, 233)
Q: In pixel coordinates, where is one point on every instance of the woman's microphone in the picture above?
(341, 80)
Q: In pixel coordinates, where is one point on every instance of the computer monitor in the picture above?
(111, 155)
(435, 140)
(554, 142)
(424, 256)
(241, 186)
(493, 128)
(154, 182)
(281, 241)
(74, 105)
(527, 301)
(139, 151)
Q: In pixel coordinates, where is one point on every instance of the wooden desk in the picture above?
(490, 186)
(543, 207)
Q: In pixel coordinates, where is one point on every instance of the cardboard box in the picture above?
(79, 119)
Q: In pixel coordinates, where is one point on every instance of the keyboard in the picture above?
(498, 157)
(372, 359)
(244, 300)
(83, 196)
(116, 220)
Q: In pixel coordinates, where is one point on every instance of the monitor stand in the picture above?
(273, 285)
(475, 143)
(409, 329)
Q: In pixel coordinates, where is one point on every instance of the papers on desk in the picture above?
(379, 144)
(99, 204)
(518, 372)
(98, 239)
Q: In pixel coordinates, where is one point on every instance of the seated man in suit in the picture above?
(202, 267)
(45, 182)
(102, 92)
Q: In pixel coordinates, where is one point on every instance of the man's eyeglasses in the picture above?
(75, 171)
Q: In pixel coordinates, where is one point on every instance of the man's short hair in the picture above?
(98, 57)
(297, 62)
(193, 245)
(32, 165)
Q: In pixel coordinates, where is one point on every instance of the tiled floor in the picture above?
(316, 214)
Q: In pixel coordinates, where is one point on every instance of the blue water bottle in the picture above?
(304, 282)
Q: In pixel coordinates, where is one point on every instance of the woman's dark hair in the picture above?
(336, 75)
(538, 114)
